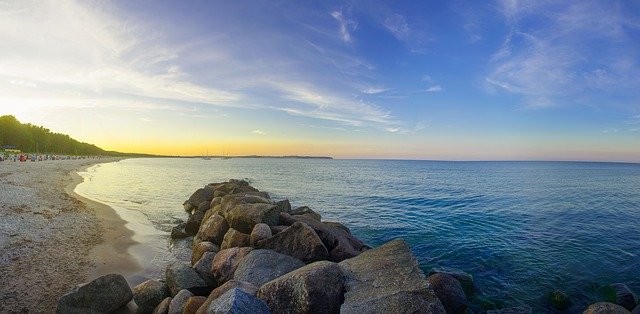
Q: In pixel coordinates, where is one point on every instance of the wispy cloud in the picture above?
(397, 25)
(374, 90)
(434, 89)
(259, 132)
(345, 25)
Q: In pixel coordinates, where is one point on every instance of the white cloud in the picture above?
(259, 132)
(434, 89)
(374, 90)
(346, 25)
(397, 25)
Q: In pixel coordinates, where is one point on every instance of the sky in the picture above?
(446, 80)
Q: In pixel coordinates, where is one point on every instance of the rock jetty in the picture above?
(247, 253)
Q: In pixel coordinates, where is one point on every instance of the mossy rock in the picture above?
(560, 300)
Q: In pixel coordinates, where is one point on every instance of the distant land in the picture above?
(258, 156)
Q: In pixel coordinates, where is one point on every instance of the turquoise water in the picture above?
(521, 229)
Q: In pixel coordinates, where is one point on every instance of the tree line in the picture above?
(37, 139)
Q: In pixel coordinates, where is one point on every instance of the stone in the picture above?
(199, 196)
(103, 294)
(193, 304)
(213, 229)
(234, 238)
(277, 229)
(450, 292)
(233, 200)
(284, 206)
(624, 296)
(226, 262)
(180, 276)
(605, 308)
(202, 247)
(636, 310)
(163, 307)
(465, 279)
(179, 301)
(285, 219)
(314, 288)
(305, 211)
(219, 194)
(195, 219)
(149, 294)
(237, 301)
(203, 268)
(231, 284)
(559, 300)
(262, 266)
(512, 310)
(299, 241)
(244, 216)
(387, 279)
(260, 232)
(179, 232)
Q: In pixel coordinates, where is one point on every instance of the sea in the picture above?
(521, 229)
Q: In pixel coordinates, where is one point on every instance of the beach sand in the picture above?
(51, 238)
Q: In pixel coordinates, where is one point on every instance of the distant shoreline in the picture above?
(259, 156)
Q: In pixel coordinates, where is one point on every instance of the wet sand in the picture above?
(51, 238)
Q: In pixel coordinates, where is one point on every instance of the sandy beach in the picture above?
(51, 238)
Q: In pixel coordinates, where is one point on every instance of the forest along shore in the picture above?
(52, 238)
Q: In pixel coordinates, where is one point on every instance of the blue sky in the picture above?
(367, 79)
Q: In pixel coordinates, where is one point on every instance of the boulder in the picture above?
(465, 279)
(450, 292)
(285, 219)
(163, 307)
(103, 294)
(277, 229)
(231, 284)
(559, 300)
(284, 206)
(305, 211)
(623, 296)
(202, 247)
(215, 201)
(179, 301)
(260, 232)
(237, 301)
(234, 238)
(262, 266)
(244, 216)
(194, 221)
(605, 308)
(180, 276)
(219, 194)
(299, 241)
(233, 200)
(512, 310)
(636, 310)
(199, 196)
(226, 262)
(387, 280)
(193, 304)
(314, 288)
(149, 294)
(203, 268)
(179, 232)
(213, 229)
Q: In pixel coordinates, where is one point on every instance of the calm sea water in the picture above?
(521, 229)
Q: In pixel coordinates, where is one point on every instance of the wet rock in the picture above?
(314, 288)
(512, 310)
(203, 268)
(260, 232)
(305, 211)
(262, 266)
(226, 262)
(387, 280)
(605, 308)
(213, 229)
(149, 294)
(202, 247)
(179, 301)
(234, 238)
(244, 216)
(194, 221)
(179, 232)
(449, 291)
(559, 300)
(104, 294)
(465, 279)
(180, 276)
(284, 206)
(199, 196)
(193, 304)
(237, 301)
(163, 307)
(231, 284)
(623, 296)
(299, 241)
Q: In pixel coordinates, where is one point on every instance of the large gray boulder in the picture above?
(314, 288)
(234, 238)
(180, 276)
(203, 268)
(387, 280)
(299, 241)
(450, 292)
(605, 308)
(104, 294)
(244, 216)
(226, 262)
(262, 266)
(231, 284)
(305, 211)
(179, 301)
(236, 301)
(202, 247)
(624, 296)
(232, 200)
(213, 229)
(199, 196)
(260, 232)
(149, 294)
